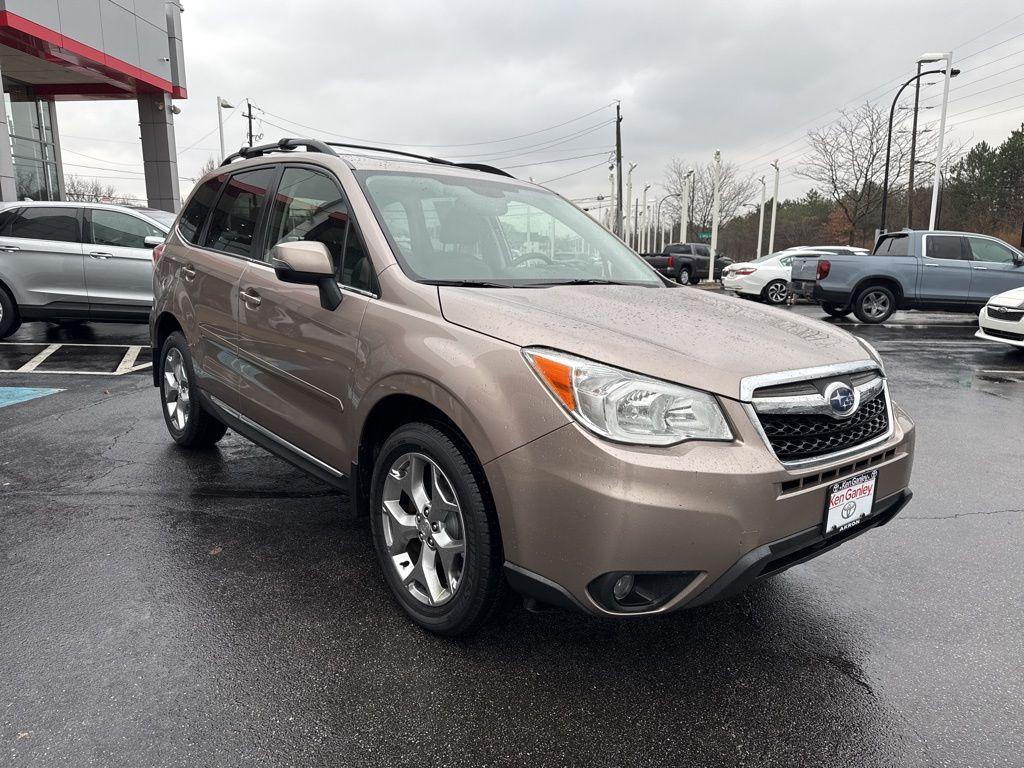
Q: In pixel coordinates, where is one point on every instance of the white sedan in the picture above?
(1002, 319)
(766, 278)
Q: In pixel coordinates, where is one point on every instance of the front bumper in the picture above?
(573, 508)
(1003, 331)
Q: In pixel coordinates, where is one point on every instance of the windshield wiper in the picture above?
(585, 281)
(467, 283)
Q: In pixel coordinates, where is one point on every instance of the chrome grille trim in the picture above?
(816, 404)
(752, 383)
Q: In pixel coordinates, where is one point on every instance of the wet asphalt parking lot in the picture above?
(161, 608)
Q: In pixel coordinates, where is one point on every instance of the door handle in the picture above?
(100, 255)
(981, 268)
(9, 248)
(933, 265)
(188, 271)
(250, 298)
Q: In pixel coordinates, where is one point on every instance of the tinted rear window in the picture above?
(943, 247)
(233, 224)
(57, 224)
(198, 208)
(893, 245)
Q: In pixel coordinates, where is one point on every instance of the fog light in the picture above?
(623, 586)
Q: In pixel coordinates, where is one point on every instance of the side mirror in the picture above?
(152, 241)
(306, 262)
(1018, 259)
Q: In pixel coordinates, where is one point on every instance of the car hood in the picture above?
(1009, 299)
(684, 335)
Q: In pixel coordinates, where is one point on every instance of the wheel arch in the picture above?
(166, 324)
(887, 282)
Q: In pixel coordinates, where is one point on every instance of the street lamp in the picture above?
(627, 227)
(222, 104)
(760, 219)
(892, 114)
(659, 243)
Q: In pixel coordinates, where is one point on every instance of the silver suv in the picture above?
(77, 261)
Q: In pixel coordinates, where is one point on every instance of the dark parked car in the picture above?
(687, 262)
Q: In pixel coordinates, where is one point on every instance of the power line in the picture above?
(575, 173)
(560, 160)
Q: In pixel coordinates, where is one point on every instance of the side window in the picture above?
(120, 230)
(198, 208)
(703, 250)
(58, 224)
(786, 261)
(311, 206)
(989, 250)
(233, 222)
(943, 247)
(6, 218)
(894, 245)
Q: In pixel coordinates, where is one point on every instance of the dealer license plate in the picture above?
(849, 502)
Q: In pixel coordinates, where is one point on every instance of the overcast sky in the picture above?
(746, 77)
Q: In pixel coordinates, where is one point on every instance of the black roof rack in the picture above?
(283, 145)
(324, 147)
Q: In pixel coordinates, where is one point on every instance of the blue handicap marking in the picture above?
(15, 395)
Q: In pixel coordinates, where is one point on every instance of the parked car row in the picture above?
(77, 261)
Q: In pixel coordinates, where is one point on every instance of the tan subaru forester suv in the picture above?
(512, 396)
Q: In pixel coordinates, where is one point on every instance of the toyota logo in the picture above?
(841, 398)
(848, 509)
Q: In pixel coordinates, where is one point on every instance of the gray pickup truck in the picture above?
(948, 271)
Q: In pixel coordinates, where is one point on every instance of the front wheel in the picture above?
(874, 304)
(10, 321)
(834, 310)
(434, 531)
(189, 424)
(776, 292)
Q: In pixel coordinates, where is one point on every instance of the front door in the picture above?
(297, 359)
(995, 268)
(945, 276)
(41, 252)
(118, 265)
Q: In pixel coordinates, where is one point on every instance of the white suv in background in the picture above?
(1002, 319)
(77, 261)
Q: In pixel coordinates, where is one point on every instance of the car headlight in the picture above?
(870, 349)
(627, 407)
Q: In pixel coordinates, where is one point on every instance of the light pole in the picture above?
(221, 105)
(913, 150)
(775, 205)
(716, 204)
(927, 58)
(643, 221)
(611, 198)
(684, 213)
(760, 219)
(888, 141)
(626, 227)
(660, 243)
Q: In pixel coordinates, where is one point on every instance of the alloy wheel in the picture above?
(684, 277)
(777, 293)
(423, 529)
(177, 398)
(875, 304)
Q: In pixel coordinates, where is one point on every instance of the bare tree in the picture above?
(209, 165)
(83, 190)
(736, 189)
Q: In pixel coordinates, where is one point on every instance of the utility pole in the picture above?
(618, 169)
(716, 205)
(684, 213)
(222, 104)
(628, 203)
(942, 132)
(775, 205)
(760, 220)
(913, 150)
(636, 225)
(611, 200)
(248, 109)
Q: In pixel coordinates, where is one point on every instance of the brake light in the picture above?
(670, 262)
(158, 252)
(824, 266)
(746, 271)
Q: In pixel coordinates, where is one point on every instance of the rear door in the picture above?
(41, 254)
(296, 359)
(118, 265)
(994, 268)
(945, 275)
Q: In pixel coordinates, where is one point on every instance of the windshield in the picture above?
(449, 229)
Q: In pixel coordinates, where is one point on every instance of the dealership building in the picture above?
(87, 50)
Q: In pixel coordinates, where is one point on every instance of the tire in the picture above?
(874, 304)
(835, 311)
(684, 276)
(776, 292)
(10, 320)
(189, 424)
(451, 598)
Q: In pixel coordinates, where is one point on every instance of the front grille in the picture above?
(795, 437)
(1003, 334)
(1006, 315)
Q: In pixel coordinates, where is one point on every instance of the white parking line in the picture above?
(36, 361)
(127, 361)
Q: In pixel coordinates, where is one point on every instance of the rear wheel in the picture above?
(874, 304)
(190, 425)
(684, 276)
(834, 310)
(10, 320)
(434, 531)
(776, 292)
